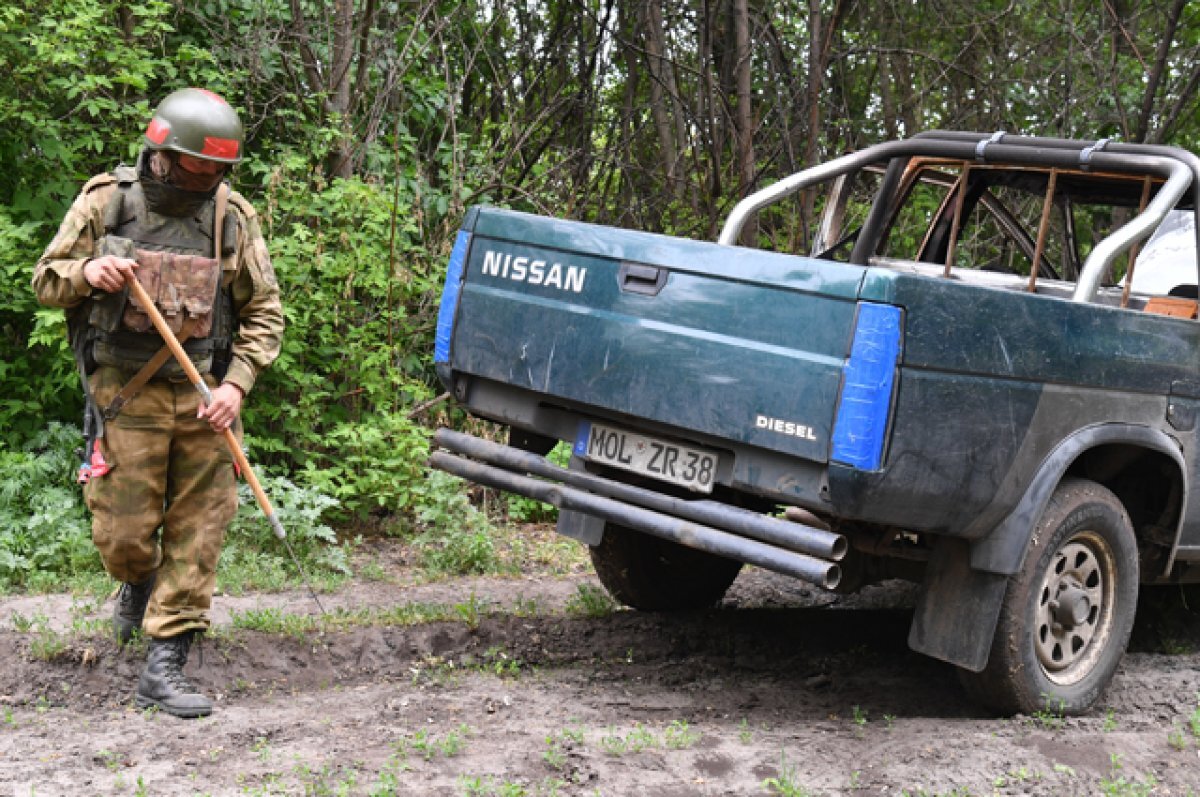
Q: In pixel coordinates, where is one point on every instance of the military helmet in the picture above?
(199, 123)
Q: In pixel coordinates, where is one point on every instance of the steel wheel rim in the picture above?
(1073, 613)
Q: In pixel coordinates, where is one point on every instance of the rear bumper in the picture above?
(783, 546)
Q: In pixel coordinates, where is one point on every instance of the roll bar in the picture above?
(1180, 169)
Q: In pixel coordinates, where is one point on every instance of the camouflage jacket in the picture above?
(58, 277)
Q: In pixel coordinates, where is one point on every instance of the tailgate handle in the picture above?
(643, 279)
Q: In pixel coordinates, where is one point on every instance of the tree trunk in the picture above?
(660, 84)
(744, 113)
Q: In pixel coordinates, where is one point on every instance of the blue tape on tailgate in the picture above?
(860, 428)
(449, 306)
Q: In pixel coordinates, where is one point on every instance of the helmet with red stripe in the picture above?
(199, 123)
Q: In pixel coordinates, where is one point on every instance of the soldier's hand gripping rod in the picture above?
(239, 456)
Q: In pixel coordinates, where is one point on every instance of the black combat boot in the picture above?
(131, 608)
(163, 683)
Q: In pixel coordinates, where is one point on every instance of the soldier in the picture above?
(162, 487)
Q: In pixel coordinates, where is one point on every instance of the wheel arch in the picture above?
(1142, 466)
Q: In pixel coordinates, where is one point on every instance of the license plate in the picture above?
(693, 468)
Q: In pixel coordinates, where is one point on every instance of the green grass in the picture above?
(1117, 784)
(590, 601)
(786, 782)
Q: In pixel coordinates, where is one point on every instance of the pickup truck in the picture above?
(965, 383)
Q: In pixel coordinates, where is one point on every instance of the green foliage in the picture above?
(452, 104)
(36, 370)
(529, 510)
(786, 783)
(45, 534)
(1117, 784)
(254, 558)
(455, 537)
(590, 601)
(356, 352)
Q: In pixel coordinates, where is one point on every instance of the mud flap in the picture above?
(588, 529)
(957, 609)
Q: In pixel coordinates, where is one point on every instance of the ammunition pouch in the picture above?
(182, 286)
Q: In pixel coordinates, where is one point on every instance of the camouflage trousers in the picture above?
(166, 502)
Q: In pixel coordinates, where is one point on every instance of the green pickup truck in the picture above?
(984, 377)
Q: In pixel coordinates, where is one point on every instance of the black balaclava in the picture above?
(166, 199)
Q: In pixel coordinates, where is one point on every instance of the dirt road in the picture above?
(530, 687)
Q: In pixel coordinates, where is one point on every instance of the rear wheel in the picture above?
(1067, 616)
(654, 574)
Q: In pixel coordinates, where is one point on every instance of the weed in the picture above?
(889, 720)
(430, 746)
(554, 756)
(1051, 715)
(372, 571)
(499, 663)
(612, 742)
(860, 717)
(1117, 785)
(679, 735)
(590, 601)
(1177, 739)
(1110, 721)
(557, 743)
(471, 611)
(93, 626)
(786, 783)
(22, 623)
(328, 780)
(456, 538)
(262, 748)
(253, 559)
(9, 719)
(526, 607)
(47, 645)
(110, 760)
(474, 786)
(388, 784)
(44, 529)
(745, 735)
(1194, 720)
(1021, 774)
(1063, 769)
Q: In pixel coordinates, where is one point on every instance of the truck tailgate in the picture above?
(735, 343)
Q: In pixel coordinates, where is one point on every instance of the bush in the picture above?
(254, 558)
(45, 534)
(455, 538)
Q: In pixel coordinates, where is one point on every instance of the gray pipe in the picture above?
(782, 533)
(691, 535)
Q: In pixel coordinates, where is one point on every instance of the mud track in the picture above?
(780, 684)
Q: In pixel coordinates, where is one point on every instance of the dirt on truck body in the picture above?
(966, 384)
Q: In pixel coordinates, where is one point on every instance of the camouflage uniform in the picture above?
(169, 470)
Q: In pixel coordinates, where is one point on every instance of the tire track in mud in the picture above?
(779, 677)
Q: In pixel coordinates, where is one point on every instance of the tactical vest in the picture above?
(177, 268)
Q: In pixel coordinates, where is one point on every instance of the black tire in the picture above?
(1067, 616)
(654, 574)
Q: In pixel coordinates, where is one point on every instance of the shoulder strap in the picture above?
(219, 218)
